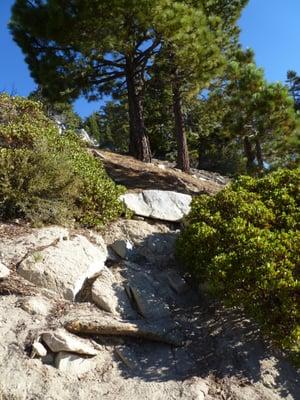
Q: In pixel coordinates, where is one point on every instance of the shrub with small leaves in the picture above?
(244, 244)
(46, 177)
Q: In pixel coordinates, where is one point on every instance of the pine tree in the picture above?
(90, 47)
(293, 82)
(63, 109)
(193, 57)
(260, 114)
(91, 125)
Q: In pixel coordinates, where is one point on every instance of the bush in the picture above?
(244, 244)
(46, 177)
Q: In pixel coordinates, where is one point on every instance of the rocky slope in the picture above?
(90, 316)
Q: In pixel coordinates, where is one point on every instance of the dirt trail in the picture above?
(136, 175)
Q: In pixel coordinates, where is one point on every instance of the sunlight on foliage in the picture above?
(46, 177)
(244, 243)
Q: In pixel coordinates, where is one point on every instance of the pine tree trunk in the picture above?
(259, 155)
(249, 153)
(139, 145)
(183, 161)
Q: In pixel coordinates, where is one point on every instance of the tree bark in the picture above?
(183, 161)
(139, 145)
(259, 155)
(249, 153)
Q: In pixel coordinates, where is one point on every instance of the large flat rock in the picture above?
(158, 204)
(65, 266)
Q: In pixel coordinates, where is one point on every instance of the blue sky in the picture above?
(270, 27)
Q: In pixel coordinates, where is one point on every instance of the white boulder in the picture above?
(65, 266)
(158, 204)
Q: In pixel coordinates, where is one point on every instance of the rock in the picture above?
(4, 271)
(61, 340)
(38, 350)
(110, 295)
(133, 230)
(82, 133)
(103, 293)
(155, 242)
(158, 204)
(144, 291)
(64, 266)
(147, 300)
(60, 122)
(36, 305)
(195, 389)
(14, 248)
(177, 282)
(123, 248)
(73, 364)
(159, 248)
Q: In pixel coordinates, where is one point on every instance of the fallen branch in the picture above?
(109, 326)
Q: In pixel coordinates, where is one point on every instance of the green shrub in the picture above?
(244, 244)
(46, 177)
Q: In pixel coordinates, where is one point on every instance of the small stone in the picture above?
(36, 305)
(110, 295)
(177, 282)
(103, 293)
(138, 218)
(38, 350)
(73, 363)
(4, 271)
(61, 340)
(123, 248)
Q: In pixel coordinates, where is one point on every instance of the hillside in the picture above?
(136, 175)
(112, 315)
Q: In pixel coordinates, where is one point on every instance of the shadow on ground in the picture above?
(139, 179)
(218, 342)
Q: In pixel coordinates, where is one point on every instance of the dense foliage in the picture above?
(74, 49)
(244, 243)
(46, 177)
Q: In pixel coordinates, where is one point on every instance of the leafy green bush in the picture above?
(46, 177)
(244, 244)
